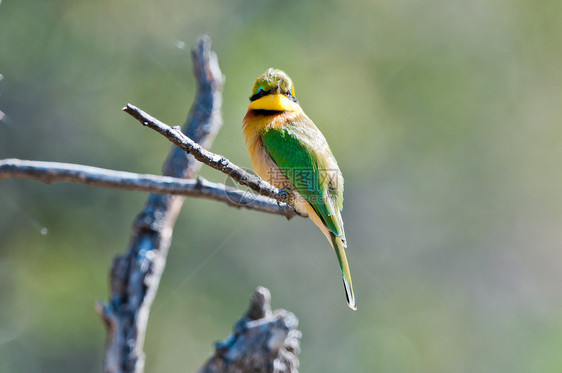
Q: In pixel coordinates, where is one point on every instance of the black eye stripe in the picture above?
(262, 93)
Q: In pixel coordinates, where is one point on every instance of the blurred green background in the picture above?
(445, 117)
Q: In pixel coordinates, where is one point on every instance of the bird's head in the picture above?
(274, 91)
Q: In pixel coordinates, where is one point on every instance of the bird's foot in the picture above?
(285, 196)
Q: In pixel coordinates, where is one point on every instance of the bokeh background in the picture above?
(445, 117)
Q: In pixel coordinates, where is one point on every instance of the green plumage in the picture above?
(304, 157)
(271, 78)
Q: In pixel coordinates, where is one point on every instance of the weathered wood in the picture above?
(135, 276)
(262, 341)
(51, 172)
(211, 159)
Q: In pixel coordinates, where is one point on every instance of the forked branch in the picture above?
(203, 155)
(263, 341)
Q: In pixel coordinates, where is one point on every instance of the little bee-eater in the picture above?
(289, 152)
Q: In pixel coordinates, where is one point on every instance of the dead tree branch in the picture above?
(211, 159)
(135, 276)
(262, 341)
(50, 172)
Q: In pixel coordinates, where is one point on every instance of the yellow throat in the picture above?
(276, 102)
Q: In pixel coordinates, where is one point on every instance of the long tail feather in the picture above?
(339, 248)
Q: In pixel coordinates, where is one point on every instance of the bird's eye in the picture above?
(289, 92)
(260, 90)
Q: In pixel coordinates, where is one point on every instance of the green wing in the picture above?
(304, 157)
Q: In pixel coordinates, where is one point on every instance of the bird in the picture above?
(288, 151)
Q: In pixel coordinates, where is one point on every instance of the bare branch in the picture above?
(135, 276)
(262, 341)
(50, 172)
(216, 161)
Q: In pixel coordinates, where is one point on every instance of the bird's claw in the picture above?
(284, 194)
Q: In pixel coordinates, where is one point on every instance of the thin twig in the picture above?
(211, 159)
(50, 172)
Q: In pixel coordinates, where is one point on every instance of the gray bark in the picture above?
(262, 341)
(136, 274)
(50, 172)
